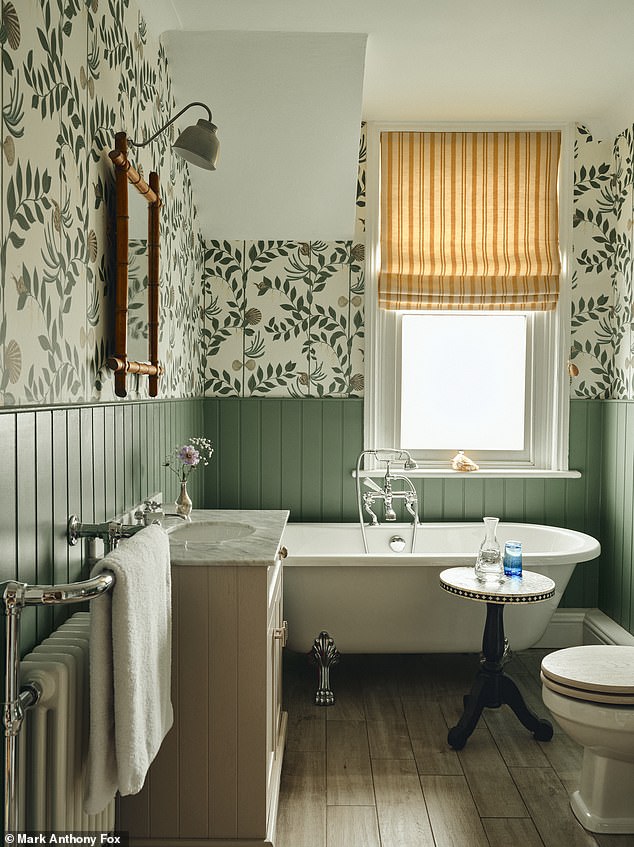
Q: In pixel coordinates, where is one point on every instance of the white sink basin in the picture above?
(209, 532)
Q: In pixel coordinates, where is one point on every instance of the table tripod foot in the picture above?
(473, 704)
(456, 739)
(542, 729)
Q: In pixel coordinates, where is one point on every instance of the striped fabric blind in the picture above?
(469, 220)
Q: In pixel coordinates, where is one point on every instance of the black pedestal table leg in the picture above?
(474, 702)
(493, 638)
(492, 687)
(485, 690)
(542, 729)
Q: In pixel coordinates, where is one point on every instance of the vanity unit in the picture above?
(216, 778)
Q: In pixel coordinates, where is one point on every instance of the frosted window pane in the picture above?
(463, 382)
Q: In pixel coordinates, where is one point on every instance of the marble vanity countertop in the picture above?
(257, 544)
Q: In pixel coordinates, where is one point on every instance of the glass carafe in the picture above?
(489, 566)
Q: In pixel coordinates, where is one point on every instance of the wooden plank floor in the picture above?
(375, 770)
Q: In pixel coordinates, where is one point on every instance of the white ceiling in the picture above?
(453, 60)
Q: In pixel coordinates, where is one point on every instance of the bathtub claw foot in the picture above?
(324, 697)
(326, 655)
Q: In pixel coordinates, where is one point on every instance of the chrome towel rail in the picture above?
(15, 596)
(72, 592)
(110, 532)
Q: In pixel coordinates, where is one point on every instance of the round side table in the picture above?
(492, 687)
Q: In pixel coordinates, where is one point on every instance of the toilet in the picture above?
(590, 693)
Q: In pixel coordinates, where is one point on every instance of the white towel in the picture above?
(130, 668)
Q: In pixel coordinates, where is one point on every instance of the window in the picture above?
(492, 382)
(480, 393)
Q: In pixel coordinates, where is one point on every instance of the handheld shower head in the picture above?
(409, 464)
(370, 483)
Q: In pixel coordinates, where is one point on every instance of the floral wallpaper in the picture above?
(74, 72)
(237, 318)
(601, 318)
(285, 318)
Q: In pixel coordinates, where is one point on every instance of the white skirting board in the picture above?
(572, 627)
(598, 628)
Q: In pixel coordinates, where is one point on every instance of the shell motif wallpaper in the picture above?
(238, 319)
(601, 356)
(73, 74)
(285, 318)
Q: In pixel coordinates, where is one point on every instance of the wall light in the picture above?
(196, 144)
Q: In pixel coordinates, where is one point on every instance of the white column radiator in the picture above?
(54, 740)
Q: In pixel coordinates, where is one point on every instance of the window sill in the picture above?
(483, 473)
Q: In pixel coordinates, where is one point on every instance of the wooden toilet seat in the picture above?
(598, 673)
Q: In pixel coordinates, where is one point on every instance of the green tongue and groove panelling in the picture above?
(98, 460)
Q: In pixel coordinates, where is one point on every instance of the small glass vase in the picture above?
(489, 566)
(183, 501)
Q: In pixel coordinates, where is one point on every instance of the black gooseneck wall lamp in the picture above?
(197, 144)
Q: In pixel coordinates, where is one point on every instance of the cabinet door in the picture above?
(276, 638)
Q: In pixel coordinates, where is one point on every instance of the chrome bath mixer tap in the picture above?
(387, 493)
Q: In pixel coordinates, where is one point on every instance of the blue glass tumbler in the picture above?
(513, 558)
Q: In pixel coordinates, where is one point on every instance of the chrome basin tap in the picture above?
(152, 513)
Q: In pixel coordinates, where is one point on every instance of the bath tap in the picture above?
(386, 493)
(388, 512)
(411, 504)
(368, 501)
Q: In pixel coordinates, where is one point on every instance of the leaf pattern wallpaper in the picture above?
(285, 318)
(238, 319)
(601, 318)
(74, 72)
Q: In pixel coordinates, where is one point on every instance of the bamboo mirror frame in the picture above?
(118, 360)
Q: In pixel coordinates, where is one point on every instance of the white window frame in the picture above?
(549, 331)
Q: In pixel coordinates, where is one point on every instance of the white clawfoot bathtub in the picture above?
(385, 602)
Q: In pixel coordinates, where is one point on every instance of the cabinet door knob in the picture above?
(281, 633)
(282, 552)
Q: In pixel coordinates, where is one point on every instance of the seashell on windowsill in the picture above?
(461, 462)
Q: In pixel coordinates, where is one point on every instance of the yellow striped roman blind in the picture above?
(469, 220)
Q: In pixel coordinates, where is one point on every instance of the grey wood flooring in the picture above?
(375, 770)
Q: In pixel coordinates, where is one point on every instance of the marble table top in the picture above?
(529, 588)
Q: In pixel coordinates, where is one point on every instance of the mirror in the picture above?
(135, 336)
(138, 280)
